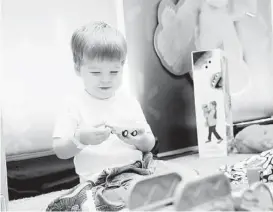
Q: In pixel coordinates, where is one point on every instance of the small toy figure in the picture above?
(126, 132)
(122, 131)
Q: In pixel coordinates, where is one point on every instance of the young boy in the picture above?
(83, 129)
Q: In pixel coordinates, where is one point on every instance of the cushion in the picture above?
(254, 139)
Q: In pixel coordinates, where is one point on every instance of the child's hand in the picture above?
(94, 135)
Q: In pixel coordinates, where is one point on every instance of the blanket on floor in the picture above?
(109, 191)
(237, 173)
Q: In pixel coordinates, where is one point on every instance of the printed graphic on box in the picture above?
(212, 102)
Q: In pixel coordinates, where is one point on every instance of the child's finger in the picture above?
(103, 131)
(105, 136)
(99, 125)
(100, 138)
(119, 136)
(109, 126)
(108, 131)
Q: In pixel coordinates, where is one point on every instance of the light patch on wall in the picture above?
(271, 12)
(1, 57)
(127, 85)
(134, 13)
(60, 31)
(38, 67)
(120, 16)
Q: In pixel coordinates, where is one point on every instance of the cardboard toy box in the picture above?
(212, 102)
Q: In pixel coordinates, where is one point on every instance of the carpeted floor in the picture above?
(38, 203)
(203, 167)
(207, 166)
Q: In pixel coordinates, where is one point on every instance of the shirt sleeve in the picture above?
(66, 121)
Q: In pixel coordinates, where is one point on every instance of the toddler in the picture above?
(84, 129)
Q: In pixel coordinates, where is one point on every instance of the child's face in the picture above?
(205, 108)
(101, 78)
(212, 106)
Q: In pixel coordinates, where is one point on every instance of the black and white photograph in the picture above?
(130, 105)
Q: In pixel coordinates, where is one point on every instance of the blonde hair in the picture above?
(98, 40)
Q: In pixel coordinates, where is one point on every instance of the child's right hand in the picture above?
(93, 135)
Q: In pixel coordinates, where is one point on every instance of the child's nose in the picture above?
(105, 78)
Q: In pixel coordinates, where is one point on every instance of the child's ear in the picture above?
(77, 69)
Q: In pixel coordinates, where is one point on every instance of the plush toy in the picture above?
(200, 25)
(175, 34)
(209, 193)
(254, 139)
(258, 197)
(216, 29)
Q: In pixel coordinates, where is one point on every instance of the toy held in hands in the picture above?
(123, 131)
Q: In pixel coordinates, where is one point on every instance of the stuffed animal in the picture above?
(216, 29)
(200, 25)
(175, 34)
(254, 139)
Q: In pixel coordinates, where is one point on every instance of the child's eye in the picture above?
(95, 72)
(114, 72)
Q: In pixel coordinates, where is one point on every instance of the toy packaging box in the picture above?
(212, 102)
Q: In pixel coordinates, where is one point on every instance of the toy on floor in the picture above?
(214, 193)
(154, 192)
(206, 194)
(256, 198)
(253, 175)
(254, 139)
(237, 173)
(169, 192)
(255, 195)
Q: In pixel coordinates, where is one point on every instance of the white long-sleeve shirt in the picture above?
(82, 109)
